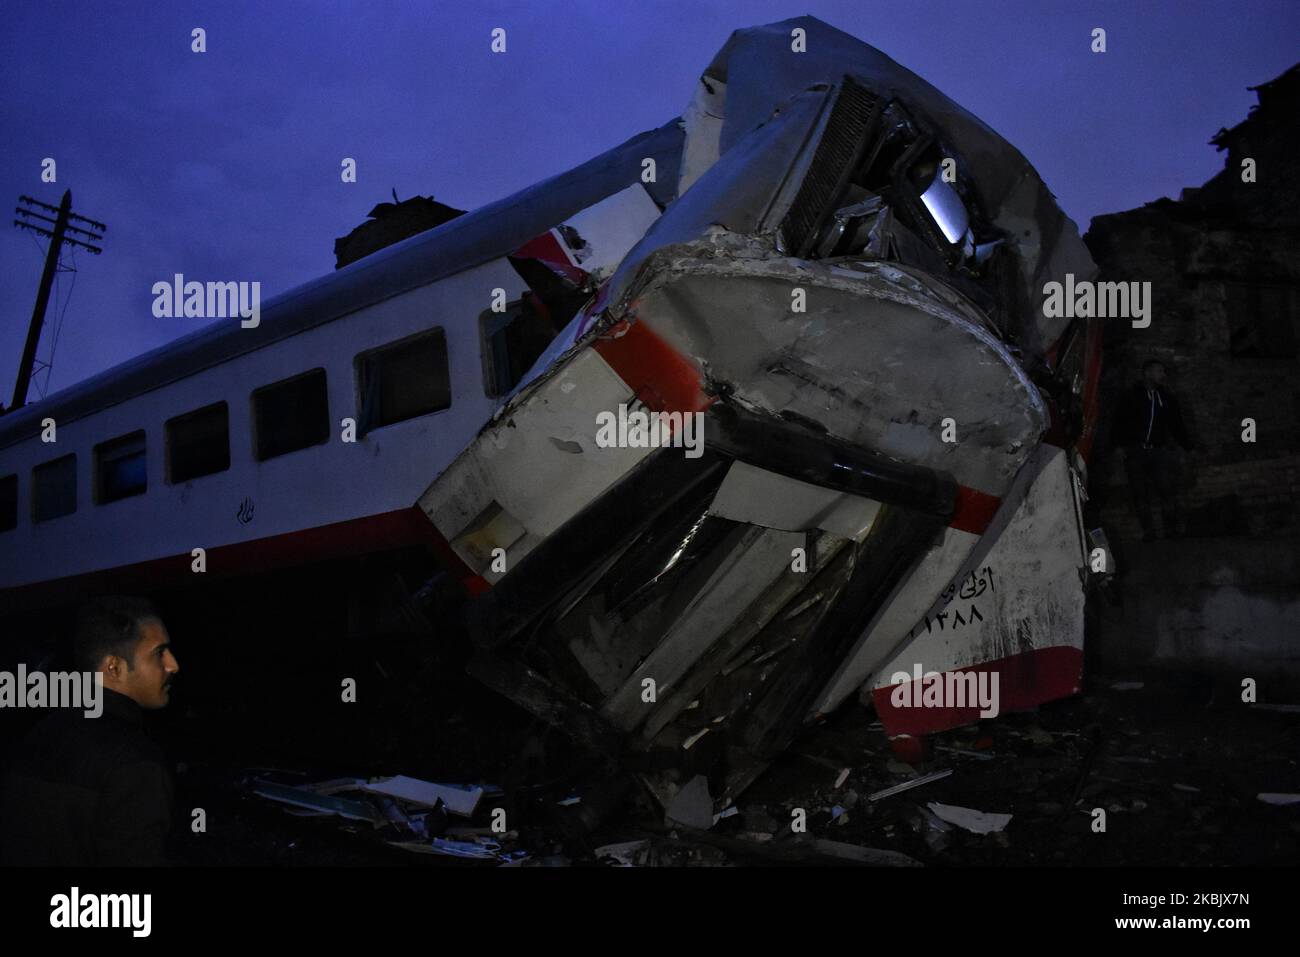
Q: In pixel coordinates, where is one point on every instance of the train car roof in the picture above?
(480, 236)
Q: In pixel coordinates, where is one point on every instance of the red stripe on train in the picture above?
(975, 510)
(660, 376)
(1025, 680)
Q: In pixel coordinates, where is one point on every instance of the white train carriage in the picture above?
(232, 439)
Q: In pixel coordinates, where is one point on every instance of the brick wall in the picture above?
(1226, 324)
(1224, 268)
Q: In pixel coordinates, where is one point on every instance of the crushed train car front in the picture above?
(888, 477)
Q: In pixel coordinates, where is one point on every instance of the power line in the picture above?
(57, 327)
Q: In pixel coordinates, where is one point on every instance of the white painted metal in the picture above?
(385, 470)
(759, 497)
(337, 481)
(1028, 589)
(539, 462)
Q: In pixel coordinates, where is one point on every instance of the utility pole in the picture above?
(63, 213)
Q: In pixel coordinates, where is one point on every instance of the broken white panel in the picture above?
(977, 822)
(908, 602)
(612, 227)
(741, 578)
(534, 468)
(734, 643)
(458, 799)
(298, 797)
(1026, 595)
(758, 497)
(703, 126)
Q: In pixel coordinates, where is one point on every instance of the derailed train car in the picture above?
(846, 292)
(826, 265)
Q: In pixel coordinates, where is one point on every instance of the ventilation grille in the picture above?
(853, 120)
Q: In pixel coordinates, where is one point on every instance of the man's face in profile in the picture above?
(148, 682)
(1155, 375)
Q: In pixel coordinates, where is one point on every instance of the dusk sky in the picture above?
(225, 165)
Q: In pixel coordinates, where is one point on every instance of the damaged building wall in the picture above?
(1224, 264)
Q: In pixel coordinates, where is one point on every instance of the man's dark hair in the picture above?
(110, 626)
(1153, 362)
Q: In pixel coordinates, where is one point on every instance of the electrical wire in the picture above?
(63, 314)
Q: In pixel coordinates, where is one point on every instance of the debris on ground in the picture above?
(457, 799)
(977, 755)
(625, 853)
(1038, 736)
(1150, 759)
(477, 849)
(692, 805)
(937, 832)
(977, 822)
(412, 813)
(908, 785)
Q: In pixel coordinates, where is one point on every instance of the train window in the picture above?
(8, 502)
(120, 468)
(403, 380)
(198, 443)
(512, 342)
(290, 415)
(54, 488)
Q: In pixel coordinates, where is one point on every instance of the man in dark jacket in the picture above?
(1148, 421)
(96, 791)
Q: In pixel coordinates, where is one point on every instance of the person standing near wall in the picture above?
(1148, 424)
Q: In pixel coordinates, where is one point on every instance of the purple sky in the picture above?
(225, 165)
